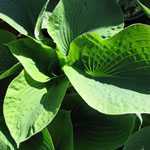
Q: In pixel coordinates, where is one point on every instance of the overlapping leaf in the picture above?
(34, 56)
(30, 106)
(74, 17)
(116, 72)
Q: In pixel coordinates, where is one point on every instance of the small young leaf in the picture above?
(34, 56)
(74, 17)
(30, 106)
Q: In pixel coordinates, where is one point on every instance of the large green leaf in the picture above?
(30, 106)
(96, 131)
(122, 60)
(21, 14)
(113, 73)
(41, 141)
(139, 140)
(6, 58)
(61, 131)
(34, 56)
(74, 17)
(93, 130)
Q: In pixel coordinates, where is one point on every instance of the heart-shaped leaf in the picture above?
(34, 56)
(113, 73)
(30, 106)
(74, 17)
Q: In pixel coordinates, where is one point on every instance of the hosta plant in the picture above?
(82, 85)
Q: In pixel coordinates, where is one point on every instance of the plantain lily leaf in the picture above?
(41, 141)
(30, 106)
(139, 140)
(74, 17)
(34, 56)
(116, 72)
(6, 58)
(62, 131)
(93, 130)
(21, 14)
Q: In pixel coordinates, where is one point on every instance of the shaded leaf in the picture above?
(139, 140)
(96, 131)
(62, 131)
(41, 141)
(6, 58)
(21, 15)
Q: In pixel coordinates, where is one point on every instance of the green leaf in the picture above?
(38, 33)
(61, 131)
(30, 106)
(113, 73)
(74, 17)
(21, 14)
(139, 140)
(145, 5)
(96, 131)
(13, 70)
(6, 58)
(5, 139)
(34, 56)
(41, 141)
